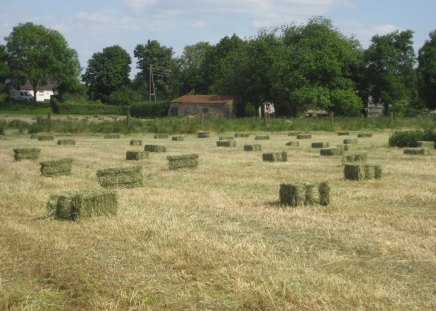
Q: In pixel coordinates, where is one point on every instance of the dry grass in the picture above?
(215, 238)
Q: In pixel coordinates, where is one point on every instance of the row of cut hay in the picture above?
(136, 142)
(112, 136)
(136, 155)
(203, 134)
(275, 157)
(361, 157)
(182, 161)
(261, 137)
(26, 153)
(364, 135)
(304, 136)
(76, 205)
(350, 141)
(155, 148)
(332, 151)
(322, 144)
(226, 138)
(178, 138)
(293, 143)
(304, 193)
(417, 151)
(426, 144)
(122, 177)
(242, 135)
(56, 167)
(362, 171)
(160, 136)
(66, 142)
(253, 147)
(226, 143)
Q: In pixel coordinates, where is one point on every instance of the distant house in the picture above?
(186, 105)
(45, 91)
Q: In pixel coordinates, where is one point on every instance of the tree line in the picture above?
(297, 67)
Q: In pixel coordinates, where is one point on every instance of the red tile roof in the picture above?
(202, 99)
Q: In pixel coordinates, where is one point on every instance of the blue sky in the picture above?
(91, 25)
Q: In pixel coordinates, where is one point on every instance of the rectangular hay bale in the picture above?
(322, 144)
(178, 138)
(203, 134)
(136, 155)
(292, 194)
(226, 138)
(332, 151)
(343, 133)
(355, 157)
(26, 153)
(112, 136)
(183, 161)
(275, 157)
(242, 135)
(293, 143)
(155, 148)
(324, 193)
(122, 177)
(426, 144)
(354, 171)
(160, 136)
(66, 142)
(226, 143)
(311, 191)
(56, 168)
(253, 147)
(417, 151)
(304, 136)
(364, 135)
(261, 137)
(136, 142)
(45, 137)
(82, 204)
(350, 141)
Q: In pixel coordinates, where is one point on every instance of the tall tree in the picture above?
(156, 61)
(389, 63)
(4, 69)
(107, 72)
(427, 71)
(38, 54)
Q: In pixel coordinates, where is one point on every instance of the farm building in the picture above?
(218, 105)
(25, 91)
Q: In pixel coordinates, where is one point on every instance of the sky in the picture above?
(91, 25)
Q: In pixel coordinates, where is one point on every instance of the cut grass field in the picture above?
(215, 237)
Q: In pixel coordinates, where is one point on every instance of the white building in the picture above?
(44, 93)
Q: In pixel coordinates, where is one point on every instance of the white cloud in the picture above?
(198, 24)
(385, 29)
(139, 4)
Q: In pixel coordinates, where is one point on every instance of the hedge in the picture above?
(147, 110)
(68, 108)
(411, 138)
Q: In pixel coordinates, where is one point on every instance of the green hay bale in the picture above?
(275, 157)
(45, 137)
(182, 161)
(417, 151)
(346, 147)
(369, 171)
(364, 135)
(304, 136)
(178, 138)
(56, 168)
(355, 157)
(226, 138)
(137, 155)
(253, 147)
(122, 177)
(378, 171)
(242, 134)
(203, 134)
(155, 148)
(350, 141)
(426, 144)
(332, 151)
(292, 194)
(354, 171)
(226, 143)
(135, 142)
(160, 136)
(66, 142)
(324, 193)
(320, 144)
(293, 143)
(343, 133)
(112, 136)
(294, 133)
(83, 204)
(26, 154)
(311, 191)
(262, 137)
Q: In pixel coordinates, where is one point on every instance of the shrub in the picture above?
(406, 138)
(149, 109)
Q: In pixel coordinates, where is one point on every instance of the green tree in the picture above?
(107, 72)
(156, 61)
(38, 54)
(4, 69)
(389, 63)
(427, 72)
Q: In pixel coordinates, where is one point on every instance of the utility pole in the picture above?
(151, 87)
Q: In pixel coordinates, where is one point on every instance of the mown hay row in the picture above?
(136, 142)
(261, 137)
(242, 135)
(417, 151)
(66, 142)
(160, 136)
(253, 147)
(304, 136)
(332, 151)
(304, 193)
(322, 144)
(359, 171)
(203, 134)
(275, 157)
(226, 143)
(26, 154)
(343, 133)
(137, 155)
(155, 148)
(82, 204)
(45, 137)
(56, 168)
(122, 177)
(350, 141)
(183, 161)
(112, 136)
(178, 138)
(426, 144)
(364, 135)
(293, 143)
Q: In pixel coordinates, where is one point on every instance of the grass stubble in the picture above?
(216, 237)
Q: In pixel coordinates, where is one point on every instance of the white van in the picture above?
(22, 95)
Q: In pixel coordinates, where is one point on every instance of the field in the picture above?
(215, 237)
